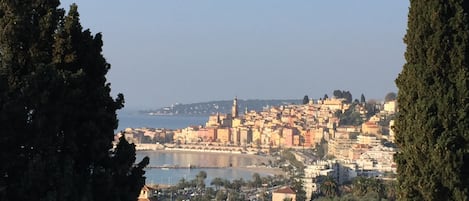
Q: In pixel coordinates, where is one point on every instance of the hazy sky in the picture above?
(165, 52)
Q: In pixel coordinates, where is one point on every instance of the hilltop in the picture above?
(223, 106)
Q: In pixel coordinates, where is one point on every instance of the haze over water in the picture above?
(184, 159)
(139, 120)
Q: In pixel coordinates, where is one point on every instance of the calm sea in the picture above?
(139, 120)
(159, 158)
(184, 159)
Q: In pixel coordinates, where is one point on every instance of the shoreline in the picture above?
(253, 168)
(264, 159)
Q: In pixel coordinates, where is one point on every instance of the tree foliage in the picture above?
(56, 112)
(432, 124)
(343, 94)
(362, 186)
(298, 187)
(390, 97)
(329, 187)
(305, 100)
(350, 116)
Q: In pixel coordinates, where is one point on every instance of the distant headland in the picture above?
(223, 106)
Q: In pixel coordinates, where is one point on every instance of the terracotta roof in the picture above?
(285, 190)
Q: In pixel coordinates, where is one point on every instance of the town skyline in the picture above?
(173, 52)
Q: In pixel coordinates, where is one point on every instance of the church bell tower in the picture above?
(234, 109)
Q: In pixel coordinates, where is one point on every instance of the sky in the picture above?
(174, 51)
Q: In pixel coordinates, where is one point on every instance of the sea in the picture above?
(184, 159)
(140, 120)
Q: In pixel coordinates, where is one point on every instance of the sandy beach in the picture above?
(261, 159)
(258, 168)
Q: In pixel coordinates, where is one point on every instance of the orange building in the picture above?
(224, 135)
(371, 128)
(207, 134)
(285, 193)
(288, 135)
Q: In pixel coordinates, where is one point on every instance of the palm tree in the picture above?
(329, 187)
(359, 186)
(217, 182)
(200, 177)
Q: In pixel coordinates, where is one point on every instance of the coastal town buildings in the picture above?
(282, 194)
(360, 149)
(390, 106)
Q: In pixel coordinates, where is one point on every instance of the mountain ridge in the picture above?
(220, 106)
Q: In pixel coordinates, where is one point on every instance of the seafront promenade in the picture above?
(258, 166)
(183, 167)
(200, 148)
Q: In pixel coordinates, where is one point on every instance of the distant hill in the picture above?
(212, 107)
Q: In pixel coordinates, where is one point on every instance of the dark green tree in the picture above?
(217, 182)
(256, 180)
(348, 96)
(343, 94)
(390, 97)
(338, 93)
(297, 185)
(237, 184)
(220, 196)
(362, 99)
(305, 100)
(56, 112)
(27, 86)
(362, 186)
(329, 187)
(433, 123)
(351, 116)
(200, 179)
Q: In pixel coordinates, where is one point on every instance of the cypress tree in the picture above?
(362, 99)
(305, 100)
(56, 112)
(432, 127)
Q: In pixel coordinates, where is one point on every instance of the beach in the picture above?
(260, 160)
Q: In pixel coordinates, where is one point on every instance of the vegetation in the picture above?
(329, 187)
(432, 124)
(224, 107)
(290, 157)
(390, 96)
(56, 112)
(321, 148)
(351, 116)
(343, 94)
(361, 188)
(305, 100)
(362, 99)
(235, 190)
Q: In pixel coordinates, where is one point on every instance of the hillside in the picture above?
(212, 107)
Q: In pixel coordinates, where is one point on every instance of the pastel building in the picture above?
(256, 136)
(370, 127)
(390, 106)
(282, 194)
(224, 135)
(235, 136)
(340, 147)
(288, 135)
(368, 140)
(245, 136)
(207, 134)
